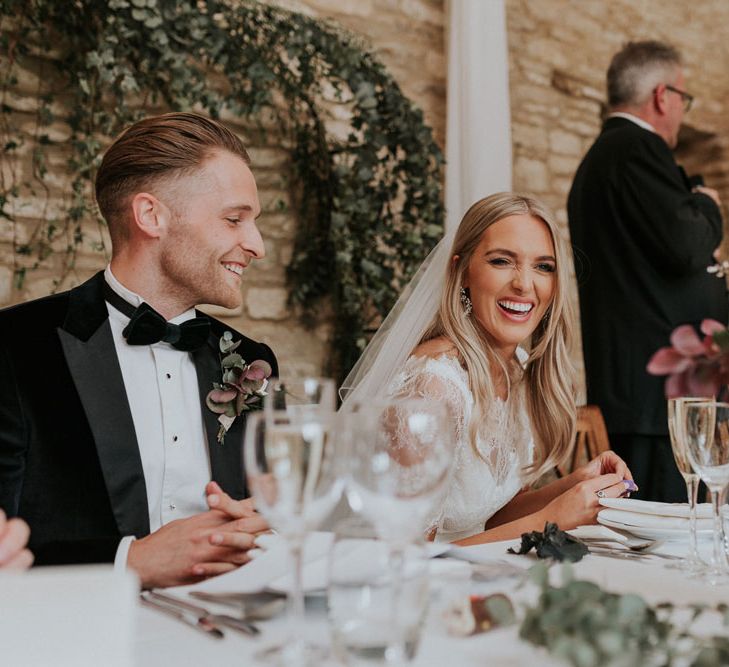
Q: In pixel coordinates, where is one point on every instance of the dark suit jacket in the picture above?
(642, 243)
(69, 460)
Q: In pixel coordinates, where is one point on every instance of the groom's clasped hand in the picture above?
(201, 546)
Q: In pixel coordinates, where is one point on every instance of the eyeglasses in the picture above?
(688, 99)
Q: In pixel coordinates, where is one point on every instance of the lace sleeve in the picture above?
(440, 381)
(436, 380)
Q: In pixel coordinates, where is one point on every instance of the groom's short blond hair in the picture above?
(153, 150)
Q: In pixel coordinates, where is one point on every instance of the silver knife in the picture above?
(202, 624)
(252, 606)
(630, 555)
(217, 619)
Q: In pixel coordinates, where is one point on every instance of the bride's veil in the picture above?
(401, 330)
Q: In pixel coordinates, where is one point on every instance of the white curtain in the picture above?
(478, 129)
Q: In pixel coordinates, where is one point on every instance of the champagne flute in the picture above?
(707, 440)
(289, 456)
(677, 432)
(400, 460)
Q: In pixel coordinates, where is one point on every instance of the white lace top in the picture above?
(482, 482)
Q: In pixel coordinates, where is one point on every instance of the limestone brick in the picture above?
(531, 174)
(267, 303)
(6, 284)
(562, 165)
(532, 137)
(565, 143)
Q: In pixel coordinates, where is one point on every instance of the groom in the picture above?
(107, 448)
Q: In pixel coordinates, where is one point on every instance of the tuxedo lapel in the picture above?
(88, 346)
(225, 458)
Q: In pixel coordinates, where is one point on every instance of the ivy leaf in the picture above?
(372, 191)
(153, 22)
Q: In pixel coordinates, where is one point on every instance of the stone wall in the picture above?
(407, 35)
(559, 51)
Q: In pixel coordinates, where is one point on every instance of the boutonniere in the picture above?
(242, 388)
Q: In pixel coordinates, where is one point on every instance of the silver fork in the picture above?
(225, 620)
(635, 549)
(198, 623)
(633, 544)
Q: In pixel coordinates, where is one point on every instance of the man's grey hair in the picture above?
(637, 69)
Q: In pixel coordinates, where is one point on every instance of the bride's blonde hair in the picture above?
(549, 373)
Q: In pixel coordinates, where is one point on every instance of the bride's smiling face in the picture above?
(511, 277)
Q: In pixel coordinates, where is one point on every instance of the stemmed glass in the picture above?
(677, 432)
(289, 457)
(707, 440)
(399, 467)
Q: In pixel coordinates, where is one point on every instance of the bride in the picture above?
(455, 336)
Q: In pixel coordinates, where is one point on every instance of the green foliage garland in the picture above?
(586, 626)
(369, 204)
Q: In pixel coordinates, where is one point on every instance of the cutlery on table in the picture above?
(200, 623)
(633, 544)
(252, 606)
(226, 620)
(607, 550)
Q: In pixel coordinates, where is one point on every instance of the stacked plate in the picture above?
(654, 520)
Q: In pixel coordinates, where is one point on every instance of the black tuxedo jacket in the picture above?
(69, 460)
(642, 242)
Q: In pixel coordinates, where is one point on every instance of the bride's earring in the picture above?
(466, 301)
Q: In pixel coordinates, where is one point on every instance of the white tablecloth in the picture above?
(160, 640)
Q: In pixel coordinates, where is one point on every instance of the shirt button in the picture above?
(174, 438)
(172, 506)
(168, 376)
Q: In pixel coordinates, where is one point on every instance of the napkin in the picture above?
(645, 514)
(72, 616)
(681, 510)
(271, 564)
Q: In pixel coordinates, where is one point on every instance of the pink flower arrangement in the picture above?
(694, 367)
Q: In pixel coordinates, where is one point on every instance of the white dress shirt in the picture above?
(634, 119)
(162, 390)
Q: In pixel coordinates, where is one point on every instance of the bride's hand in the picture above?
(606, 463)
(579, 505)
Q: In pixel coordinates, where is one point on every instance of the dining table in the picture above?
(159, 639)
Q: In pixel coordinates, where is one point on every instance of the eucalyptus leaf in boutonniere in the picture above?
(552, 543)
(243, 386)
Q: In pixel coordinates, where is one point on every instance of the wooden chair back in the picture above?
(591, 438)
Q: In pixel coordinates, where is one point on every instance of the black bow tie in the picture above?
(146, 326)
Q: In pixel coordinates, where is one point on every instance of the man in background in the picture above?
(643, 237)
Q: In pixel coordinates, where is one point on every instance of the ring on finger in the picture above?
(600, 493)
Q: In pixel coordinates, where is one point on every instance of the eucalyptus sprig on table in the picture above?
(587, 626)
(552, 543)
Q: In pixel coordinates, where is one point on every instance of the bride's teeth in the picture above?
(519, 307)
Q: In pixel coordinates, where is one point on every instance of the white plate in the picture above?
(651, 533)
(679, 510)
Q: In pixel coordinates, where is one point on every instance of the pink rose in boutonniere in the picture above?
(242, 388)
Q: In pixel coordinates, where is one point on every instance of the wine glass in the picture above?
(677, 432)
(399, 467)
(289, 457)
(707, 440)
